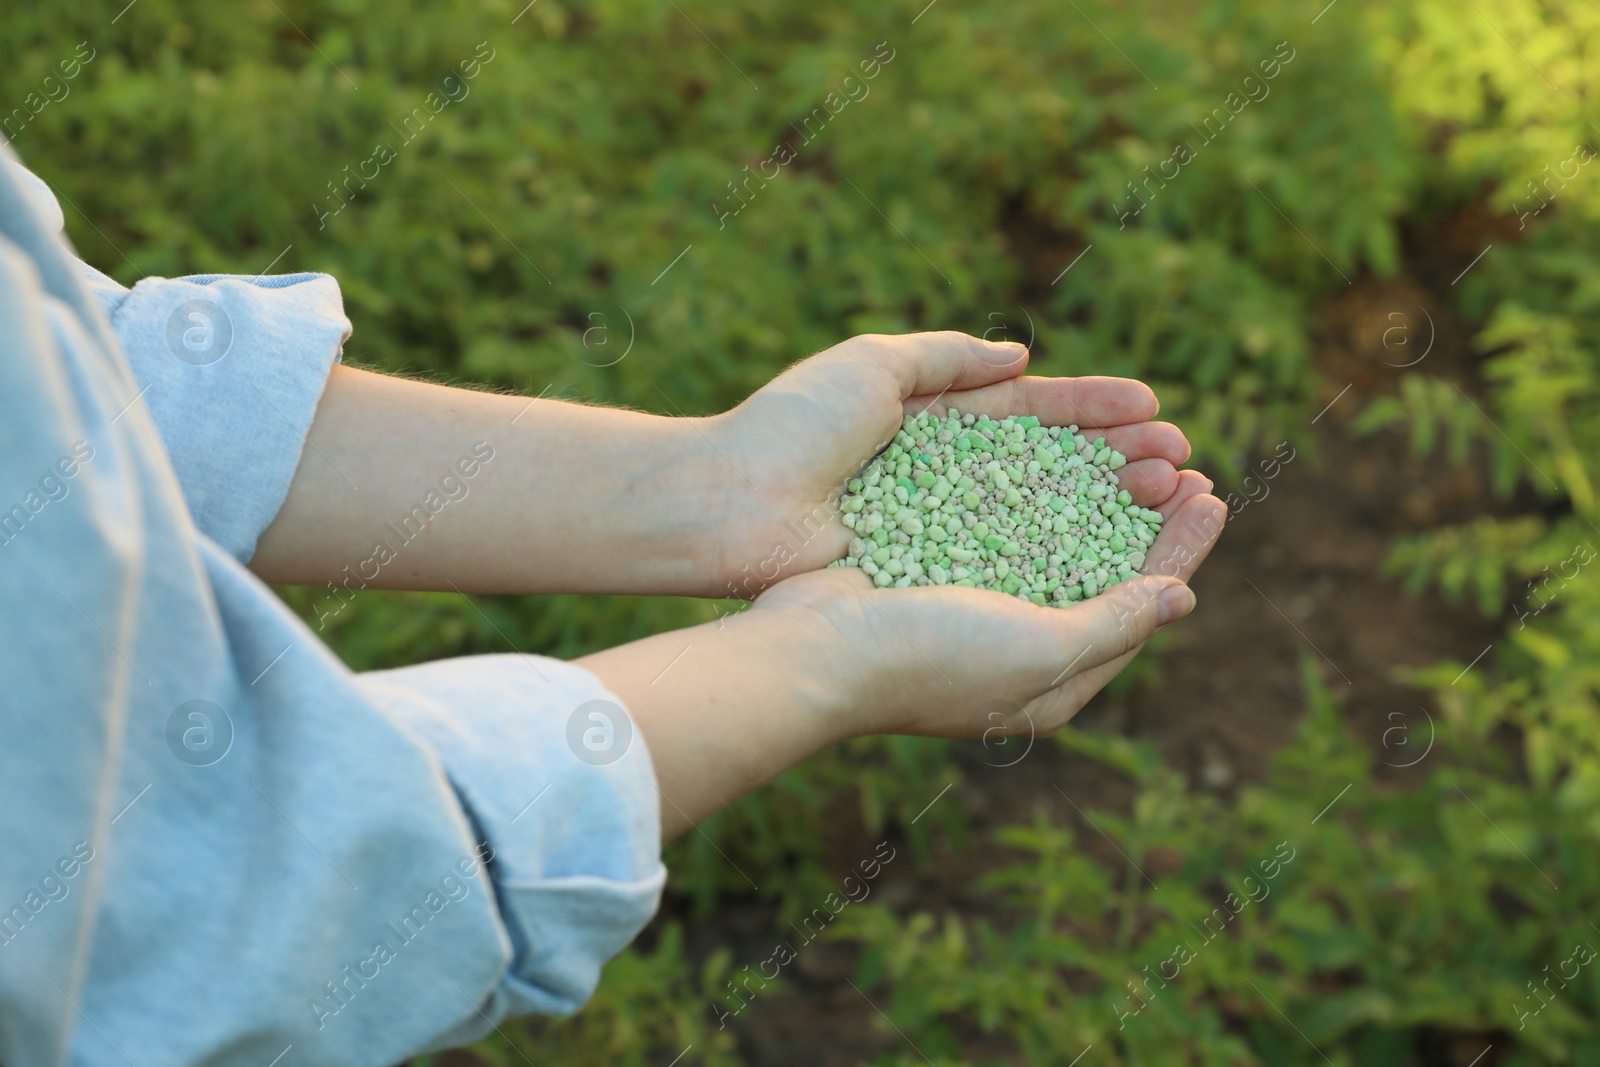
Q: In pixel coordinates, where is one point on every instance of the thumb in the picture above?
(1121, 619)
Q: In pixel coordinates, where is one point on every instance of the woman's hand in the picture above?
(791, 446)
(937, 660)
(825, 656)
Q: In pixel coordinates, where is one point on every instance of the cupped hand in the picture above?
(941, 660)
(793, 444)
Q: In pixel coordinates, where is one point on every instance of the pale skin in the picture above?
(600, 500)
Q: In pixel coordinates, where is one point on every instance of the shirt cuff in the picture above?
(559, 783)
(231, 369)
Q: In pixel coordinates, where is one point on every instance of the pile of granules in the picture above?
(1029, 510)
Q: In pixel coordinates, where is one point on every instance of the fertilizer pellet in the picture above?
(1032, 511)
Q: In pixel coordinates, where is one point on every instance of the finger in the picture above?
(1144, 440)
(928, 364)
(1196, 530)
(1078, 688)
(1149, 481)
(1106, 627)
(1187, 538)
(1190, 484)
(1084, 401)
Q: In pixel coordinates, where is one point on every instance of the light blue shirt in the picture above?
(217, 844)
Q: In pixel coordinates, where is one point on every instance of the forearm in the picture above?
(727, 706)
(560, 498)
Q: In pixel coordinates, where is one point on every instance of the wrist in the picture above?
(698, 494)
(825, 645)
(804, 653)
(738, 555)
(750, 698)
(776, 517)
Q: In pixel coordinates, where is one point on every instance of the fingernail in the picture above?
(1175, 602)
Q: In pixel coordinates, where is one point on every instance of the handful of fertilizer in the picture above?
(1028, 510)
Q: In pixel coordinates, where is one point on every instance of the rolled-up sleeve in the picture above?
(200, 804)
(231, 369)
(572, 815)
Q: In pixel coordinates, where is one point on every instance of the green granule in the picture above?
(1028, 510)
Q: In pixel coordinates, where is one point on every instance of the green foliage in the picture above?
(517, 239)
(1361, 914)
(778, 834)
(1432, 409)
(1477, 558)
(647, 1010)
